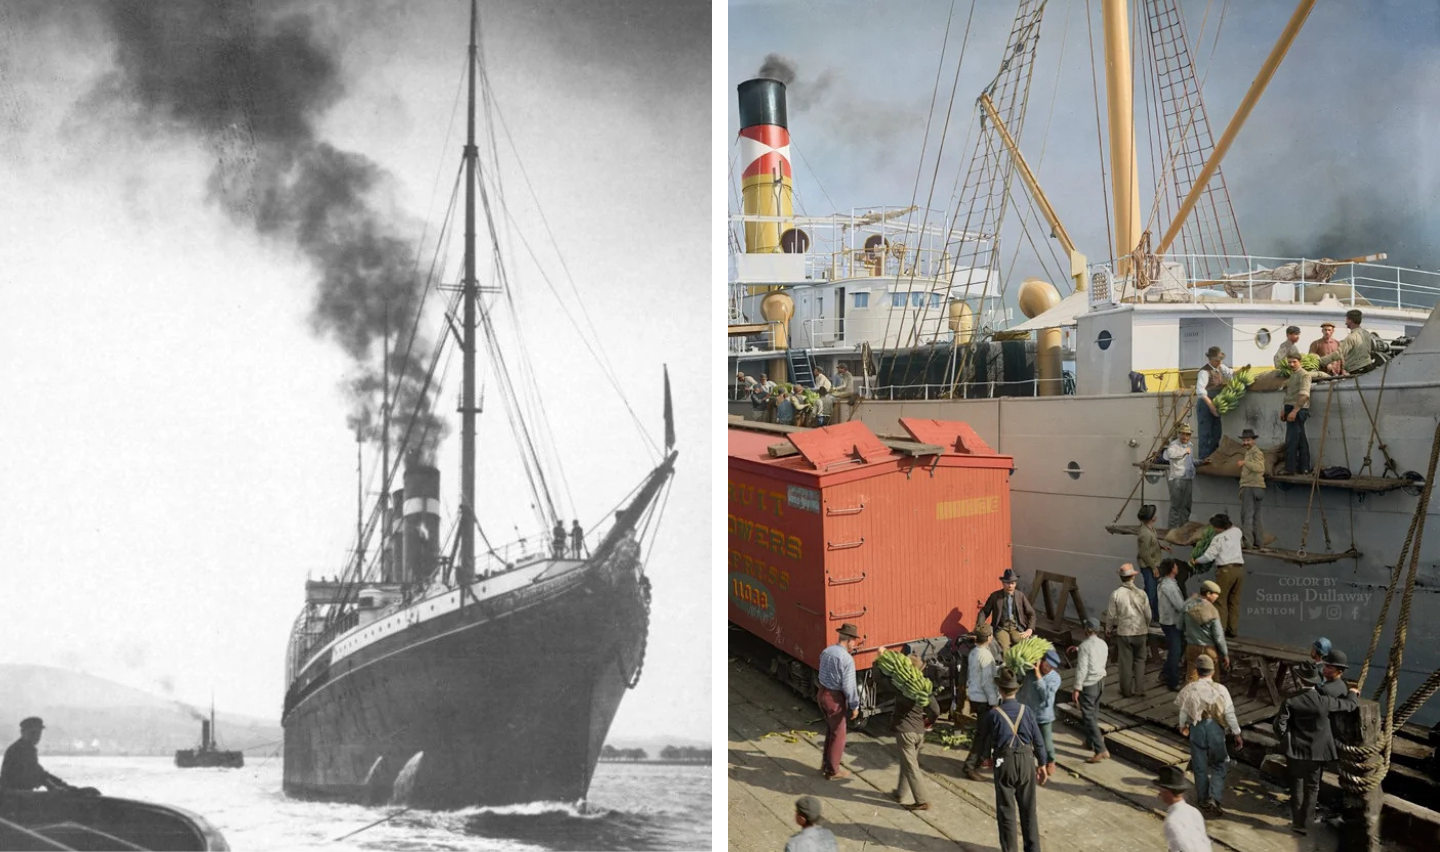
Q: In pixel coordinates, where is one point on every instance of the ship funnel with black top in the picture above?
(767, 185)
(422, 522)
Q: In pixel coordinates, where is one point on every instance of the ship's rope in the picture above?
(1099, 140)
(1390, 467)
(1316, 466)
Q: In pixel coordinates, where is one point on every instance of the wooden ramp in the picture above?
(1298, 557)
(1358, 484)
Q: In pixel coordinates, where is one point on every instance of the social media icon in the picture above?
(1314, 611)
(1332, 611)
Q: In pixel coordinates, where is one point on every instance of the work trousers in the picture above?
(1131, 650)
(1231, 579)
(1047, 736)
(1090, 716)
(1208, 759)
(1015, 799)
(1152, 590)
(1174, 651)
(1304, 788)
(1252, 528)
(832, 705)
(911, 777)
(1297, 444)
(980, 745)
(1180, 493)
(1209, 431)
(1007, 636)
(1192, 653)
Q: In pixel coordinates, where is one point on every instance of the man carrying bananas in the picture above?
(1208, 381)
(1355, 349)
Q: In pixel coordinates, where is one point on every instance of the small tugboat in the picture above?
(207, 754)
(67, 820)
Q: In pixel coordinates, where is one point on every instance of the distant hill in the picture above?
(84, 713)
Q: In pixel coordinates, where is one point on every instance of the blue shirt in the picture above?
(812, 838)
(1028, 730)
(837, 672)
(1039, 695)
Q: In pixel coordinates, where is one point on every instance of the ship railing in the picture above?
(761, 342)
(1258, 278)
(921, 392)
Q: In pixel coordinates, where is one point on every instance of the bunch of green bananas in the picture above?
(1025, 654)
(907, 679)
(1202, 545)
(1229, 396)
(1309, 362)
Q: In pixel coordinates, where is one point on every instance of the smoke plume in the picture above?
(777, 67)
(839, 111)
(252, 88)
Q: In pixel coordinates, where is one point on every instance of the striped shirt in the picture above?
(837, 672)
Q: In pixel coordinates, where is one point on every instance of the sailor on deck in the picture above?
(1224, 552)
(1180, 454)
(1325, 345)
(1355, 349)
(577, 539)
(21, 769)
(1011, 614)
(558, 535)
(1294, 414)
(1204, 705)
(1290, 348)
(1208, 381)
(844, 392)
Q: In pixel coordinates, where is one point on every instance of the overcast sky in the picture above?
(176, 453)
(1337, 159)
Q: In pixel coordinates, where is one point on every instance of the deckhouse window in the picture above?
(934, 300)
(897, 300)
(917, 300)
(862, 300)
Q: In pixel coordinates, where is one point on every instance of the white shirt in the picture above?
(1203, 697)
(980, 682)
(1224, 549)
(1185, 829)
(1129, 611)
(1181, 457)
(1090, 662)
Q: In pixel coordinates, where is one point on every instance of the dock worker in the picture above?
(1303, 726)
(1294, 413)
(21, 769)
(1252, 490)
(1208, 382)
(759, 399)
(577, 538)
(980, 690)
(558, 543)
(909, 721)
(1355, 350)
(825, 409)
(1289, 348)
(1147, 557)
(1172, 613)
(1011, 614)
(812, 836)
(1325, 345)
(1184, 825)
(1018, 749)
(838, 698)
(784, 406)
(1225, 554)
(1204, 637)
(1332, 669)
(1127, 618)
(1318, 649)
(766, 383)
(1206, 713)
(1089, 683)
(744, 384)
(1037, 692)
(1180, 455)
(845, 393)
(822, 382)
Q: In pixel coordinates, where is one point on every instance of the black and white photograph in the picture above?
(359, 487)
(1083, 414)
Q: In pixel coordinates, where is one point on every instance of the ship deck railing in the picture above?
(1262, 279)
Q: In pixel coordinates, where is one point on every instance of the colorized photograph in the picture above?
(353, 506)
(1082, 417)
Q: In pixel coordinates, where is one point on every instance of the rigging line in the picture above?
(542, 493)
(810, 170)
(1099, 140)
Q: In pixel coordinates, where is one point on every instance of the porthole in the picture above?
(1073, 469)
(1262, 338)
(1104, 340)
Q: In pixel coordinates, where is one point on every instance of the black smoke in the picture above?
(837, 110)
(777, 67)
(252, 87)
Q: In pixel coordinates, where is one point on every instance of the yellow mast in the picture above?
(1119, 95)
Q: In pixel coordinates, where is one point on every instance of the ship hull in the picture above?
(500, 702)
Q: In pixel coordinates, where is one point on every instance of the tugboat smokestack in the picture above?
(767, 185)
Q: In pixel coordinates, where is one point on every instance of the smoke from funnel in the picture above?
(252, 88)
(777, 67)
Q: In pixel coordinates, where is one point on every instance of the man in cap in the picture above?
(1128, 620)
(784, 406)
(743, 384)
(980, 689)
(838, 698)
(577, 539)
(1325, 345)
(1089, 683)
(1172, 613)
(1011, 614)
(1208, 382)
(1332, 671)
(1355, 349)
(1037, 693)
(1204, 706)
(1018, 749)
(1303, 726)
(1252, 490)
(759, 398)
(1290, 347)
(1181, 476)
(1184, 826)
(1147, 557)
(21, 769)
(1294, 413)
(1318, 649)
(1204, 637)
(812, 836)
(909, 721)
(1224, 552)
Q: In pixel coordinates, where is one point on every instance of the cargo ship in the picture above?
(1088, 386)
(208, 754)
(443, 678)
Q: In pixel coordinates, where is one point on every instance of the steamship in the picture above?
(1087, 387)
(445, 680)
(208, 754)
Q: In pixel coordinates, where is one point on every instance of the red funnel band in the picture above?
(765, 148)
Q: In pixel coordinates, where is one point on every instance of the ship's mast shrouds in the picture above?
(465, 573)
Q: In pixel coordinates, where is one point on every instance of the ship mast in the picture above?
(466, 571)
(1120, 100)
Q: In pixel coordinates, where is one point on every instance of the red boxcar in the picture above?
(904, 539)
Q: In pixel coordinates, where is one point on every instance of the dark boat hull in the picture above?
(86, 822)
(507, 700)
(194, 759)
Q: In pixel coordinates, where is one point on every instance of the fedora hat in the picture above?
(1309, 674)
(1337, 659)
(1172, 778)
(849, 631)
(1248, 433)
(1007, 680)
(1128, 570)
(1009, 576)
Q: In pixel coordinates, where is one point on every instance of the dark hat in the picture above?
(1220, 519)
(1146, 512)
(1248, 433)
(1308, 674)
(1321, 646)
(1092, 624)
(1215, 352)
(1294, 329)
(849, 631)
(984, 631)
(1007, 680)
(808, 807)
(32, 722)
(1204, 663)
(1354, 315)
(1009, 576)
(1327, 324)
(1172, 778)
(1337, 659)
